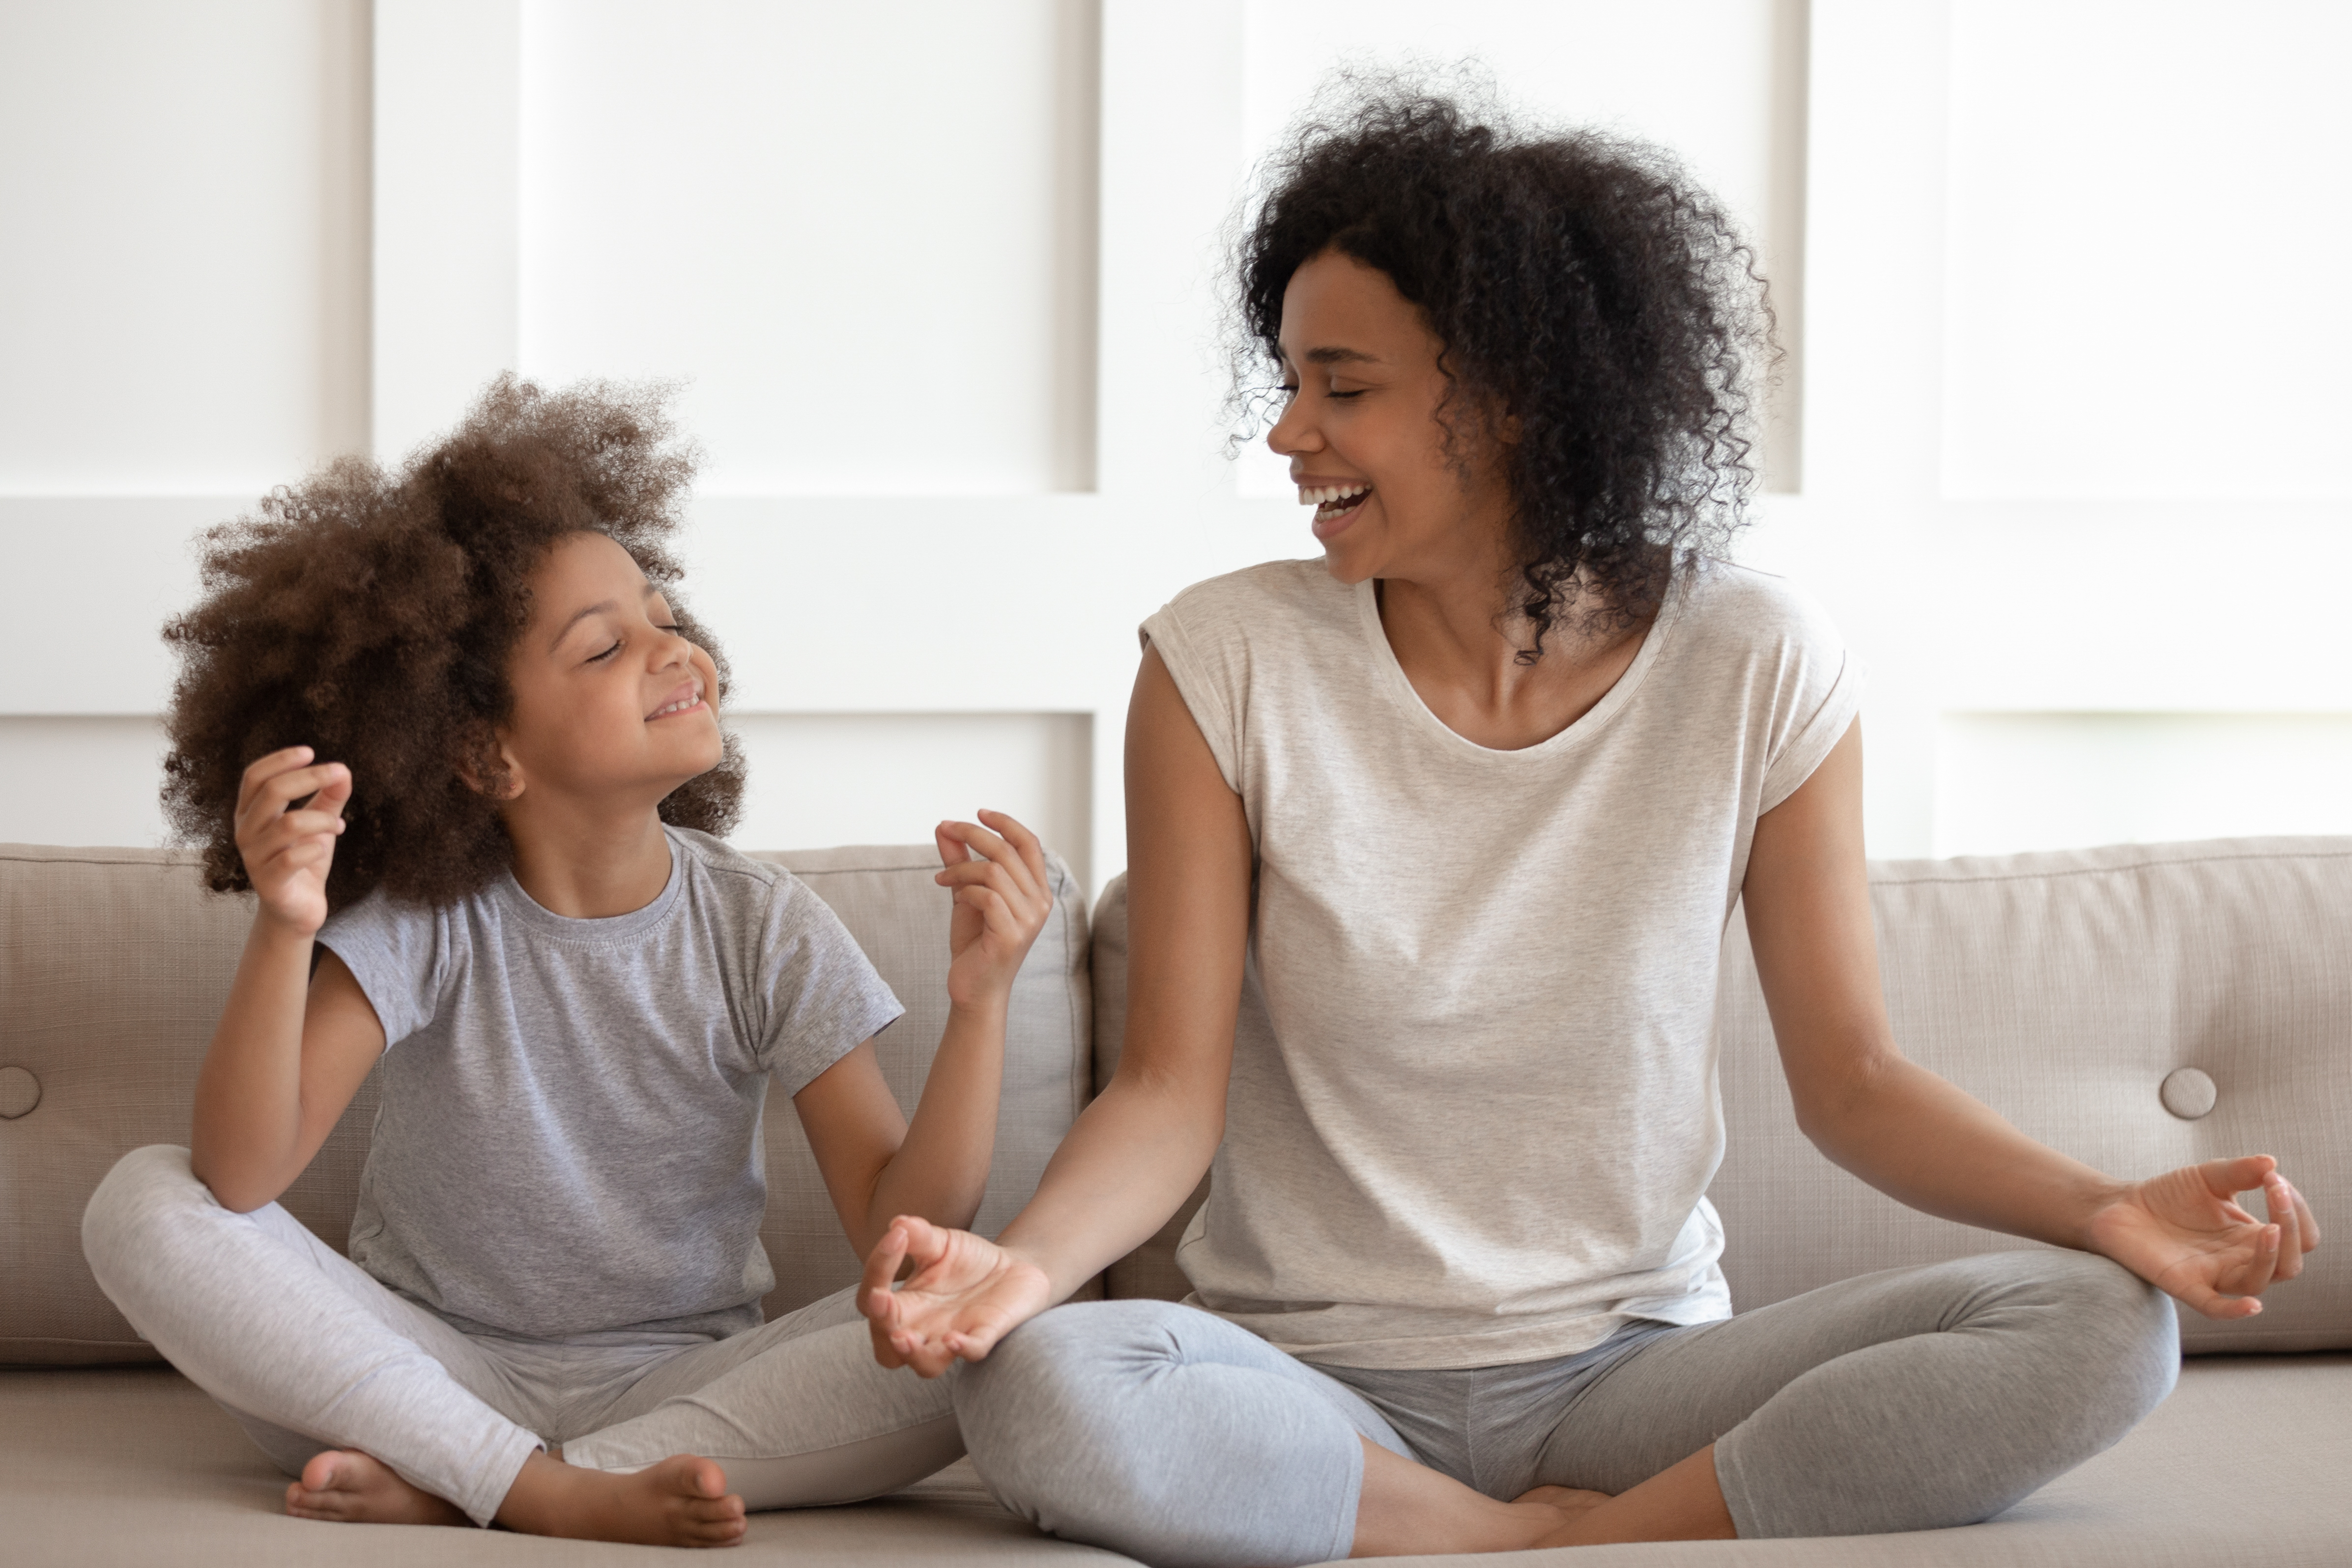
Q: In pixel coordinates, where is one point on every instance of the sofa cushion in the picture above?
(2241, 1468)
(2064, 990)
(115, 965)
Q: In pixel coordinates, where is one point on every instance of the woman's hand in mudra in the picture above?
(2185, 1233)
(966, 1292)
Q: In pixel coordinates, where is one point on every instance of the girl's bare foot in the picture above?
(681, 1501)
(351, 1488)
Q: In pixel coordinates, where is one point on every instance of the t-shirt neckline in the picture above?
(1586, 725)
(602, 928)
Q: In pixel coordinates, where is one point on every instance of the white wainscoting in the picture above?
(2058, 436)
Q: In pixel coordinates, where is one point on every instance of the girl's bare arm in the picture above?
(876, 1166)
(290, 1050)
(1137, 1152)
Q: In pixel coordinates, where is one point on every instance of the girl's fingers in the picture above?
(991, 908)
(1033, 849)
(993, 847)
(261, 769)
(271, 796)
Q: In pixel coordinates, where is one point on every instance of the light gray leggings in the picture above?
(310, 1352)
(1908, 1400)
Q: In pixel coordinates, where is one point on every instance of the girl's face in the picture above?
(611, 705)
(1362, 435)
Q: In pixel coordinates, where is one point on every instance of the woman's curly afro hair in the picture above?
(1580, 285)
(369, 615)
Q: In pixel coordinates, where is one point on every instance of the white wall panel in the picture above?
(183, 282)
(1706, 78)
(2147, 242)
(2010, 781)
(887, 779)
(81, 780)
(858, 232)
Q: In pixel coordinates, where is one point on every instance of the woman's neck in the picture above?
(1458, 640)
(585, 865)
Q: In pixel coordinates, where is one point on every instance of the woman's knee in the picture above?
(1061, 1384)
(2116, 1324)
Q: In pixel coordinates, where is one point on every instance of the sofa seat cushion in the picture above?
(2241, 1468)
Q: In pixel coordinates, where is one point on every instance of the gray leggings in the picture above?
(309, 1352)
(1908, 1400)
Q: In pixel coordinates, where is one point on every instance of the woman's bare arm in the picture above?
(1918, 1138)
(1137, 1152)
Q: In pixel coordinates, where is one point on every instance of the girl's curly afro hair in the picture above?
(369, 615)
(1580, 285)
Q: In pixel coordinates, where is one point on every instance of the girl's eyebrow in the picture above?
(602, 607)
(1338, 356)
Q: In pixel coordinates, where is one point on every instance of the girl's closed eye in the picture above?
(600, 658)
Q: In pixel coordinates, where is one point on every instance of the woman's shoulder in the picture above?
(1272, 598)
(1723, 602)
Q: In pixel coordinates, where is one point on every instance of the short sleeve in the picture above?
(1202, 668)
(398, 952)
(823, 996)
(1816, 696)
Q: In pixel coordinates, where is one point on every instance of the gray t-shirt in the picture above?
(568, 1139)
(1474, 1108)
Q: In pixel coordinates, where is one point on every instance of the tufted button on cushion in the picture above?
(2188, 1093)
(19, 1092)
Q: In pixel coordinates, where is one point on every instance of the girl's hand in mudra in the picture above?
(965, 1294)
(2184, 1233)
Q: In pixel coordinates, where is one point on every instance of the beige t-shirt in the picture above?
(1474, 1106)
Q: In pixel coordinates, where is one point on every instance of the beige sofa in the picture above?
(2139, 1007)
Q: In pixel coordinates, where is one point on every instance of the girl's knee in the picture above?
(144, 1185)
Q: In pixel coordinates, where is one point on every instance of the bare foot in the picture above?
(1564, 1505)
(681, 1501)
(351, 1488)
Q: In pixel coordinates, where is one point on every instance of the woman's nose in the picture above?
(1293, 433)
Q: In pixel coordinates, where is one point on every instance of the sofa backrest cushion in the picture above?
(115, 965)
(2062, 989)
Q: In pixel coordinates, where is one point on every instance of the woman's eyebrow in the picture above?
(1338, 356)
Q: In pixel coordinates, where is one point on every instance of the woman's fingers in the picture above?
(2254, 1276)
(2304, 1219)
(2227, 1178)
(2280, 1200)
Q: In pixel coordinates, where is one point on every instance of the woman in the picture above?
(1431, 844)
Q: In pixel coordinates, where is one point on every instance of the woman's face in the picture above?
(611, 704)
(1362, 435)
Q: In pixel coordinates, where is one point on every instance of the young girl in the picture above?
(1432, 845)
(451, 729)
